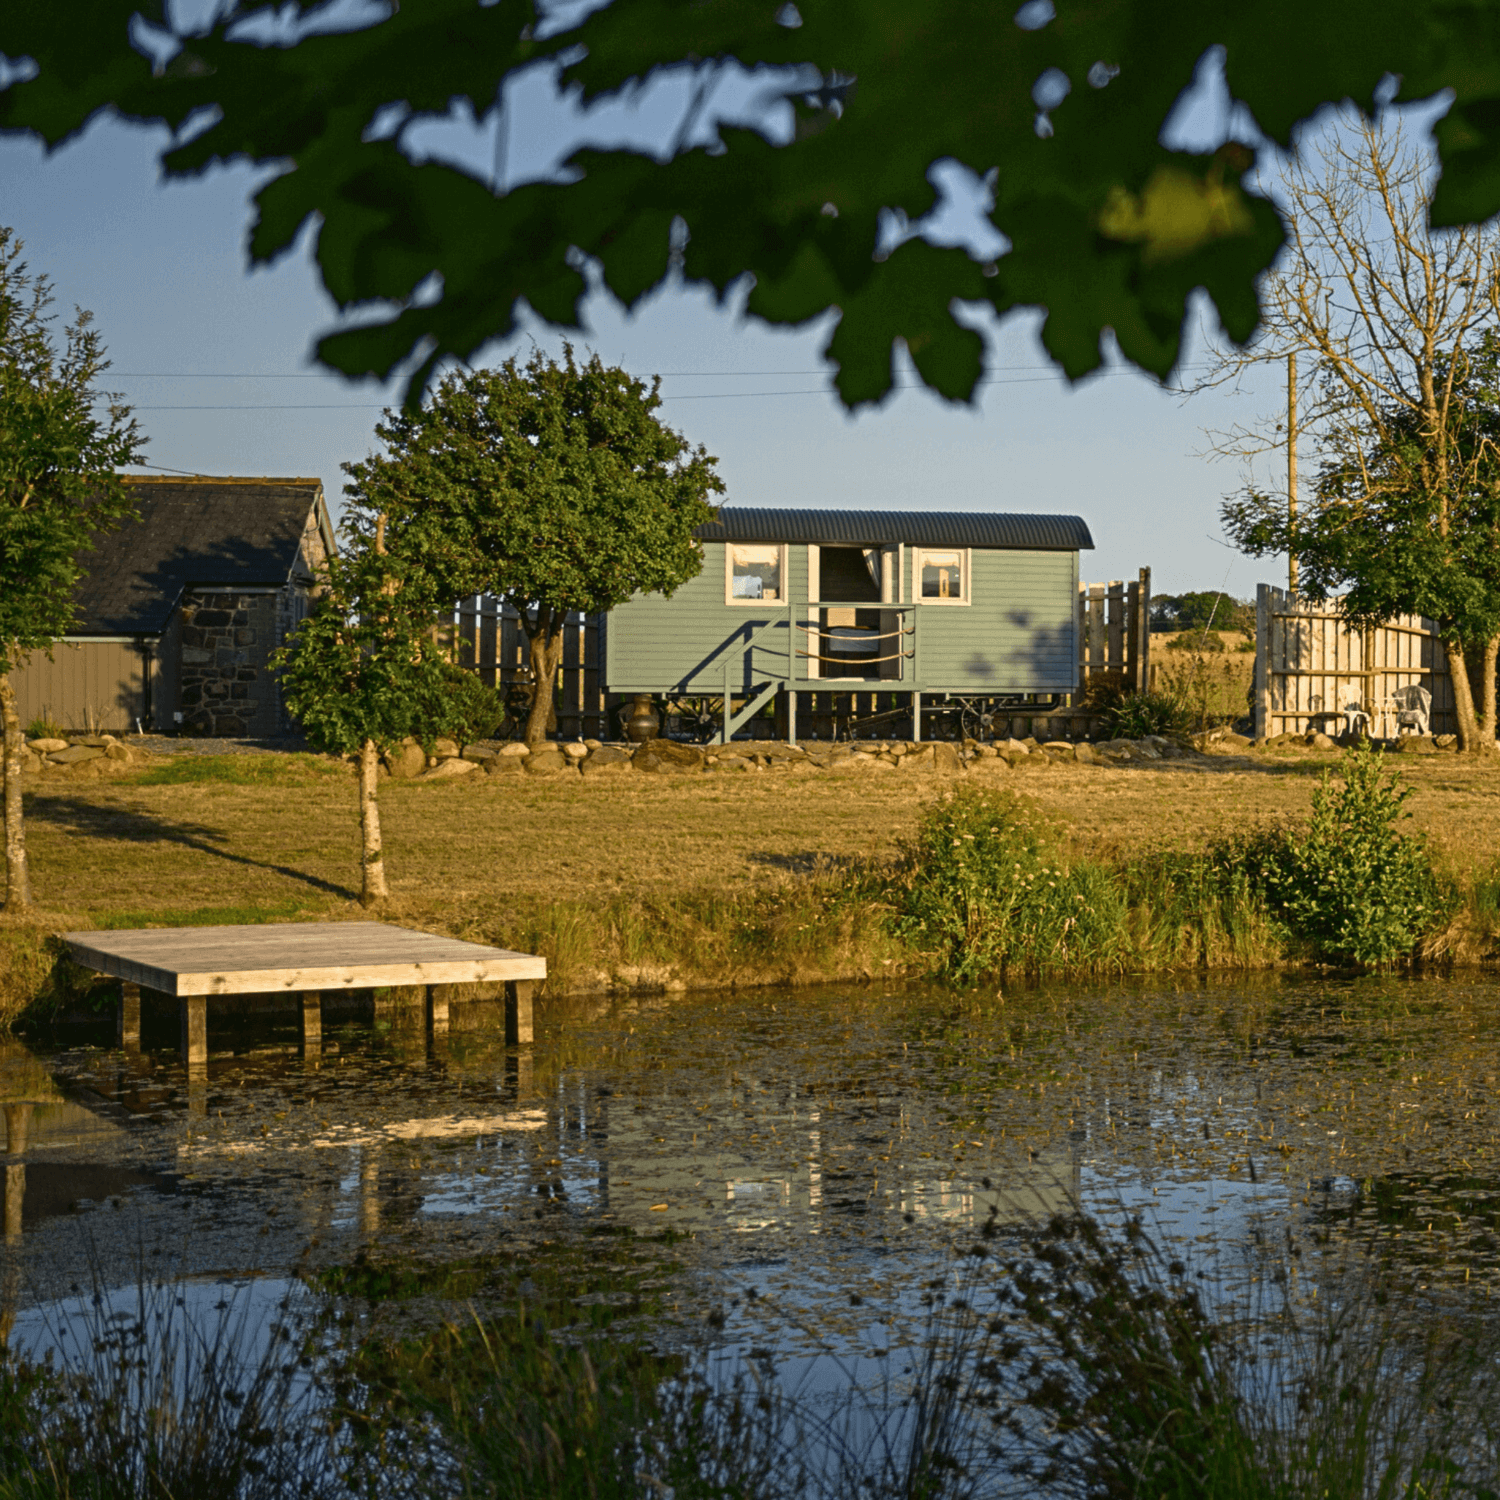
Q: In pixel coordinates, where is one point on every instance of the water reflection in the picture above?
(796, 1143)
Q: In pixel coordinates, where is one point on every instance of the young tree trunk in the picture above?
(17, 873)
(1487, 707)
(546, 657)
(1463, 697)
(372, 864)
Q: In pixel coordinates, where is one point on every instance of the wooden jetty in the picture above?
(193, 964)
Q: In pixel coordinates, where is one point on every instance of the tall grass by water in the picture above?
(1061, 1359)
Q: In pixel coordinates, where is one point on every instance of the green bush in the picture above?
(43, 727)
(984, 892)
(1128, 716)
(1197, 640)
(1351, 884)
(474, 712)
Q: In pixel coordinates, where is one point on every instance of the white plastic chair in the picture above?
(1413, 709)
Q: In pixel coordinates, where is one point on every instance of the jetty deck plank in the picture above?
(293, 956)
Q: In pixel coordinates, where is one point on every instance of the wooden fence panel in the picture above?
(1113, 629)
(1311, 667)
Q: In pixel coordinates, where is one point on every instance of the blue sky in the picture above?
(216, 360)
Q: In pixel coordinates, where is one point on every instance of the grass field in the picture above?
(526, 861)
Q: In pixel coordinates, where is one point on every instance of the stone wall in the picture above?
(225, 687)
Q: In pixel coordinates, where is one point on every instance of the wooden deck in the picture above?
(192, 964)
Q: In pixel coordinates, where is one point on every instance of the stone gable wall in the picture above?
(225, 687)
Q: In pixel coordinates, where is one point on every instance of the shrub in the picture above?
(1352, 884)
(1128, 716)
(44, 727)
(475, 711)
(1197, 640)
(984, 891)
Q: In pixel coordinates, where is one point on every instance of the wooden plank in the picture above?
(293, 956)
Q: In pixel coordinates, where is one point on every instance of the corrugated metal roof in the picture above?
(918, 528)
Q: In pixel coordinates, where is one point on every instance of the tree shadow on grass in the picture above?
(85, 819)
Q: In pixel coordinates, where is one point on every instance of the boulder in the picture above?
(117, 751)
(1233, 741)
(730, 763)
(575, 750)
(1322, 741)
(515, 748)
(1012, 747)
(76, 755)
(450, 766)
(945, 758)
(986, 752)
(1038, 762)
(1445, 742)
(31, 762)
(446, 749)
(505, 765)
(1084, 755)
(547, 761)
(1058, 749)
(605, 760)
(775, 750)
(668, 755)
(408, 759)
(48, 747)
(1415, 744)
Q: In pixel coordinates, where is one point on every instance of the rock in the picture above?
(76, 754)
(605, 759)
(48, 747)
(1058, 749)
(945, 758)
(575, 750)
(31, 762)
(1233, 741)
(1445, 742)
(986, 752)
(1084, 755)
(775, 750)
(504, 765)
(117, 751)
(668, 755)
(476, 754)
(730, 763)
(515, 748)
(1415, 744)
(1146, 750)
(1037, 762)
(448, 767)
(593, 744)
(445, 749)
(547, 761)
(1012, 747)
(1323, 742)
(408, 759)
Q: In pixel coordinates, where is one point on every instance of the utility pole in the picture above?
(1291, 472)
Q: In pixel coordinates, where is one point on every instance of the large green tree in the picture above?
(367, 670)
(1405, 520)
(552, 485)
(61, 442)
(1064, 116)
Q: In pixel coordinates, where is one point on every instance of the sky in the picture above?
(216, 358)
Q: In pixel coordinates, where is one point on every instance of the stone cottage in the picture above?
(179, 612)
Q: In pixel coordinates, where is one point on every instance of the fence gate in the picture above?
(489, 638)
(1311, 667)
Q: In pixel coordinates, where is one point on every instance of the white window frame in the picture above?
(919, 555)
(729, 595)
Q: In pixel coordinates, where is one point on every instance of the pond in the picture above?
(785, 1150)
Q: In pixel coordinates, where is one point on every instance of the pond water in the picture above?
(787, 1151)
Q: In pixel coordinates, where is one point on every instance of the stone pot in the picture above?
(640, 720)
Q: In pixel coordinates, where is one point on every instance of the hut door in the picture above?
(849, 577)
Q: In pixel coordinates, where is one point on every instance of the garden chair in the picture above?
(1413, 706)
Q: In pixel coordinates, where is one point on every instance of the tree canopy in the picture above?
(1062, 115)
(59, 488)
(553, 485)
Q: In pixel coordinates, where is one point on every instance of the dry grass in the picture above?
(707, 873)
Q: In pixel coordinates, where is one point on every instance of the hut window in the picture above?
(944, 576)
(755, 574)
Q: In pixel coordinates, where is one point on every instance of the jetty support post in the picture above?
(312, 1023)
(17, 1128)
(519, 994)
(193, 1010)
(130, 1017)
(437, 1009)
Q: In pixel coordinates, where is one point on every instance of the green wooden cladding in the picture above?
(1017, 635)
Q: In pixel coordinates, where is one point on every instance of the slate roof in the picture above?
(917, 528)
(196, 531)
